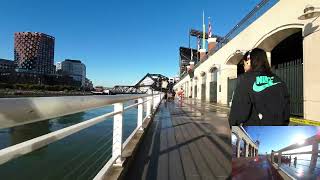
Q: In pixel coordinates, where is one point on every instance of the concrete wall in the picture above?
(266, 32)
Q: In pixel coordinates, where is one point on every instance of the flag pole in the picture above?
(204, 32)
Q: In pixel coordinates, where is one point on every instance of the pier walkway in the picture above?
(254, 168)
(186, 140)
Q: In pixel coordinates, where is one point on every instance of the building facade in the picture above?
(6, 65)
(73, 68)
(34, 52)
(292, 49)
(242, 144)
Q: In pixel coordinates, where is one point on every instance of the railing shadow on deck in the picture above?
(187, 138)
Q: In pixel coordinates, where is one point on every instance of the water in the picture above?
(78, 156)
(302, 168)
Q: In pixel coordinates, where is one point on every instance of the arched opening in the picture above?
(234, 140)
(203, 86)
(195, 87)
(285, 45)
(287, 63)
(213, 84)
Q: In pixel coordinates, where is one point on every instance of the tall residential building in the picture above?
(34, 52)
(73, 68)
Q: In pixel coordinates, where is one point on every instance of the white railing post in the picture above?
(154, 101)
(117, 133)
(279, 158)
(140, 113)
(149, 103)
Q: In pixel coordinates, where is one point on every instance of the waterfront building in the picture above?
(34, 52)
(292, 49)
(6, 65)
(88, 84)
(73, 68)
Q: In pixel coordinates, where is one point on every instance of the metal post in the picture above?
(117, 133)
(140, 114)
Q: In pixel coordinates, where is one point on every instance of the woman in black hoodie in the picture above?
(261, 98)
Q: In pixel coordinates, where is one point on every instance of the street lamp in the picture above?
(310, 12)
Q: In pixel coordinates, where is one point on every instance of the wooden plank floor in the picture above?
(189, 140)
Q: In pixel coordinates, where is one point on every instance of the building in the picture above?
(292, 49)
(242, 144)
(185, 58)
(73, 68)
(34, 52)
(6, 66)
(88, 84)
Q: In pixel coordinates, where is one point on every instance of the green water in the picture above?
(78, 156)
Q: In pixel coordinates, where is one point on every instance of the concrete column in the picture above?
(202, 54)
(212, 43)
(238, 147)
(314, 156)
(246, 149)
(311, 66)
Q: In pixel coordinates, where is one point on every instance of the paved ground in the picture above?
(253, 168)
(189, 140)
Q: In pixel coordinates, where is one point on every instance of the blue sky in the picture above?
(278, 137)
(119, 41)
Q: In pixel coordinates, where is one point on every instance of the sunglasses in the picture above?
(248, 56)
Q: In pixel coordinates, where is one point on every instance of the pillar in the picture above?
(202, 54)
(314, 156)
(311, 66)
(212, 43)
(238, 147)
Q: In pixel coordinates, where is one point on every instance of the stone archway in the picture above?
(213, 84)
(203, 85)
(285, 48)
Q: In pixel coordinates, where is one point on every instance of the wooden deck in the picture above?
(189, 140)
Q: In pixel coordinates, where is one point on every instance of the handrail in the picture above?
(19, 111)
(313, 141)
(153, 101)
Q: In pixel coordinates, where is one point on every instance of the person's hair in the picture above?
(259, 60)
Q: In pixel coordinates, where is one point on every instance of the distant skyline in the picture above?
(278, 137)
(118, 41)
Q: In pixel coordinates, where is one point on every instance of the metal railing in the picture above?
(313, 141)
(61, 106)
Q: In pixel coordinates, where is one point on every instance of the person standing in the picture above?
(261, 98)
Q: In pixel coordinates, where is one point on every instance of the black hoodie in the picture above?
(260, 99)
